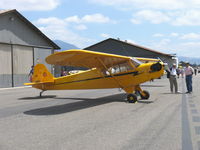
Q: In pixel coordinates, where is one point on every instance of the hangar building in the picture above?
(21, 46)
(116, 46)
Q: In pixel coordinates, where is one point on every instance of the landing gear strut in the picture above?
(41, 93)
(144, 95)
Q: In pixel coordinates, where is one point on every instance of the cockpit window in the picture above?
(135, 62)
(123, 67)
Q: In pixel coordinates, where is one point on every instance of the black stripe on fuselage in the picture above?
(108, 76)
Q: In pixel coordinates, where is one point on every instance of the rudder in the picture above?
(41, 74)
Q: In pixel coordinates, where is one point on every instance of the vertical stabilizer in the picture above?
(41, 74)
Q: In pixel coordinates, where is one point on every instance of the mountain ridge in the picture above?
(64, 45)
(192, 60)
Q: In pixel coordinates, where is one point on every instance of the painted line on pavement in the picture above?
(198, 145)
(186, 134)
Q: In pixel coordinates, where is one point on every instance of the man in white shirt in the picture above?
(173, 79)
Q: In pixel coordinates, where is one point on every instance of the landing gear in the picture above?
(144, 94)
(132, 98)
(41, 93)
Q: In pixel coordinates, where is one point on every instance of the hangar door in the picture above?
(22, 62)
(5, 66)
(39, 56)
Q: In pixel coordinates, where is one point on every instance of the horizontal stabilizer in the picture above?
(38, 83)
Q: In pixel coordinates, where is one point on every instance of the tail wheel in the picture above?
(132, 98)
(144, 95)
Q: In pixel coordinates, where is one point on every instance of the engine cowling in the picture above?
(156, 67)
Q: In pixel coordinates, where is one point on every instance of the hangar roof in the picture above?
(3, 12)
(131, 44)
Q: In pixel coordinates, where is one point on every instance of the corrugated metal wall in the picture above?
(22, 62)
(5, 66)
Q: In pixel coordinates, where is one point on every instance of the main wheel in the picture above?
(131, 98)
(145, 95)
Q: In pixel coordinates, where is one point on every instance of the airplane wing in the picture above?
(146, 60)
(85, 58)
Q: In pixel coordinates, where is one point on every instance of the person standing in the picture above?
(182, 72)
(173, 79)
(195, 71)
(178, 71)
(188, 77)
(30, 75)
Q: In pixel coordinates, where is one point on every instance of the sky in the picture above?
(169, 26)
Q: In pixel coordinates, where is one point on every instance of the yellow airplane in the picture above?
(105, 71)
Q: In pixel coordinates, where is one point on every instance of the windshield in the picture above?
(135, 62)
(123, 67)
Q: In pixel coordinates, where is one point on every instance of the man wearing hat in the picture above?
(173, 79)
(188, 77)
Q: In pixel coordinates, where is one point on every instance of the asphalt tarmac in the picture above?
(100, 119)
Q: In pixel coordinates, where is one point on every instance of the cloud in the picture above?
(96, 18)
(174, 34)
(56, 28)
(189, 49)
(51, 20)
(104, 35)
(80, 27)
(135, 21)
(154, 17)
(172, 12)
(150, 4)
(29, 5)
(93, 18)
(181, 48)
(176, 18)
(158, 35)
(191, 45)
(185, 36)
(62, 29)
(162, 45)
(189, 18)
(74, 19)
(191, 36)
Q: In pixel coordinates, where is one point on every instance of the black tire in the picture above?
(132, 98)
(145, 96)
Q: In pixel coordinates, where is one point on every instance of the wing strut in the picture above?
(110, 73)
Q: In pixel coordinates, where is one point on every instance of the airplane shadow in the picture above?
(82, 103)
(37, 97)
(152, 86)
(69, 107)
(145, 101)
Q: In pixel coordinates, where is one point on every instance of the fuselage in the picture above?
(98, 79)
